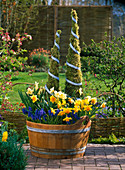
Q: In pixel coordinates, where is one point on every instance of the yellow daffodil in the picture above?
(88, 97)
(80, 91)
(67, 110)
(62, 96)
(36, 85)
(52, 99)
(53, 111)
(103, 105)
(52, 90)
(85, 101)
(93, 100)
(88, 108)
(77, 103)
(56, 94)
(70, 100)
(29, 91)
(40, 91)
(59, 104)
(61, 113)
(34, 98)
(76, 109)
(63, 102)
(67, 119)
(5, 136)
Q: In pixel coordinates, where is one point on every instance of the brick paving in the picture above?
(97, 157)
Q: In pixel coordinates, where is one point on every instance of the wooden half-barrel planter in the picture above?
(58, 141)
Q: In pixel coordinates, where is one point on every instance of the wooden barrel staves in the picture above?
(58, 141)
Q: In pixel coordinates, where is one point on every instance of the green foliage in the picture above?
(107, 58)
(73, 58)
(12, 155)
(112, 139)
(40, 59)
(54, 65)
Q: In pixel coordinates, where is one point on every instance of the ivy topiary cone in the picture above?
(54, 65)
(73, 58)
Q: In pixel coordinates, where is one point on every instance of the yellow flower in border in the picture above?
(52, 99)
(34, 98)
(52, 90)
(93, 100)
(76, 109)
(53, 111)
(59, 104)
(86, 102)
(80, 91)
(63, 102)
(62, 96)
(5, 136)
(67, 110)
(61, 113)
(88, 108)
(56, 94)
(70, 100)
(36, 85)
(88, 97)
(103, 105)
(40, 91)
(29, 91)
(77, 102)
(67, 119)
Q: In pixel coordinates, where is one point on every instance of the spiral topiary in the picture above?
(53, 72)
(73, 64)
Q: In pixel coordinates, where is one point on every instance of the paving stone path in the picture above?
(97, 157)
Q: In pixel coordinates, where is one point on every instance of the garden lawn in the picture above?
(41, 77)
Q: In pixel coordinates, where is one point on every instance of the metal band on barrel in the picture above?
(58, 131)
(64, 152)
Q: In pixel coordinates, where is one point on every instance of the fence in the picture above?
(43, 22)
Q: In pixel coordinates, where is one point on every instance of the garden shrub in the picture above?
(40, 59)
(107, 58)
(12, 155)
(73, 64)
(53, 79)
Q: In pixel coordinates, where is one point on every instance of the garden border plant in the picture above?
(108, 58)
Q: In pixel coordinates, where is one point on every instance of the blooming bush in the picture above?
(40, 58)
(10, 60)
(12, 155)
(57, 108)
(6, 106)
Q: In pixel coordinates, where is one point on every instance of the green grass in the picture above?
(41, 77)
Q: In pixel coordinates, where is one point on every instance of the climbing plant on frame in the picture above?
(73, 64)
(53, 72)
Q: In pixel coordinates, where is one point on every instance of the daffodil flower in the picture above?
(80, 91)
(52, 90)
(67, 119)
(93, 100)
(103, 105)
(29, 91)
(52, 99)
(5, 136)
(36, 85)
(34, 98)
